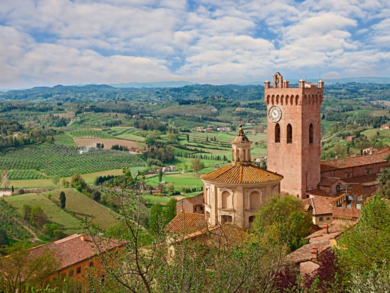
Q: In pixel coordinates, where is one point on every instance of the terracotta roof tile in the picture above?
(195, 200)
(328, 181)
(354, 161)
(304, 253)
(240, 174)
(321, 205)
(318, 192)
(364, 180)
(186, 223)
(73, 249)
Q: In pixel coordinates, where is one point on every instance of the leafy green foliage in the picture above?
(367, 243)
(283, 217)
(3, 238)
(170, 210)
(156, 218)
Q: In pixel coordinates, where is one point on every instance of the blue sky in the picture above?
(49, 42)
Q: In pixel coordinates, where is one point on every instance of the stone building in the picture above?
(294, 133)
(190, 204)
(234, 193)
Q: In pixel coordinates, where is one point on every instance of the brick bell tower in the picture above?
(294, 133)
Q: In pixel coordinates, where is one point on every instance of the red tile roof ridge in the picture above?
(335, 164)
(242, 174)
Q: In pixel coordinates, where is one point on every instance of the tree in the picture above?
(284, 218)
(170, 210)
(55, 180)
(26, 209)
(197, 165)
(12, 189)
(149, 141)
(6, 182)
(383, 182)
(160, 175)
(188, 137)
(62, 199)
(3, 238)
(96, 195)
(367, 243)
(171, 187)
(38, 216)
(20, 268)
(156, 218)
(375, 280)
(65, 183)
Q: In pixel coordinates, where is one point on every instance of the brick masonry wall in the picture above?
(298, 162)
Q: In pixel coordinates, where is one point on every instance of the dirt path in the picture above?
(5, 174)
(28, 229)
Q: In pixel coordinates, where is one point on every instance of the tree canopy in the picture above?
(283, 217)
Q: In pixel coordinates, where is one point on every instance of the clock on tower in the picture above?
(293, 139)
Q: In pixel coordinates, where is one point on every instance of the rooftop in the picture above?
(354, 161)
(328, 181)
(186, 223)
(321, 205)
(76, 248)
(305, 252)
(195, 200)
(318, 192)
(237, 174)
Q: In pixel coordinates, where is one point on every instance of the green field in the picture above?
(82, 206)
(25, 174)
(187, 180)
(64, 139)
(131, 136)
(64, 220)
(90, 133)
(78, 206)
(65, 161)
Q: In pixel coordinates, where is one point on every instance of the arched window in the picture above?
(254, 199)
(226, 200)
(289, 133)
(277, 132)
(311, 133)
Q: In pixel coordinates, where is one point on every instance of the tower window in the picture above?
(289, 133)
(277, 132)
(311, 133)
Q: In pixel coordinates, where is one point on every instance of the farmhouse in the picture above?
(77, 254)
(385, 127)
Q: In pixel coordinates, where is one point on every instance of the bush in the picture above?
(20, 191)
(96, 195)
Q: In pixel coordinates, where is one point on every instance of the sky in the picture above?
(50, 42)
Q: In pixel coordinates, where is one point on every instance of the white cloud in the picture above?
(83, 41)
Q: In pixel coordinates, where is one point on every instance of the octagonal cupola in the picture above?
(241, 149)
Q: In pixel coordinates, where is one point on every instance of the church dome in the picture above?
(244, 174)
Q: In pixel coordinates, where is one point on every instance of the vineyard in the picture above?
(65, 161)
(90, 133)
(11, 222)
(25, 174)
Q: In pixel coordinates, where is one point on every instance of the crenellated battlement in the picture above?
(282, 94)
(294, 100)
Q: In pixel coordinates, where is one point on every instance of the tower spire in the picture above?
(241, 149)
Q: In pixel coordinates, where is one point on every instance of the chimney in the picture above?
(83, 238)
(325, 226)
(314, 253)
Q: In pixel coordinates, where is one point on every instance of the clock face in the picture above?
(275, 114)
